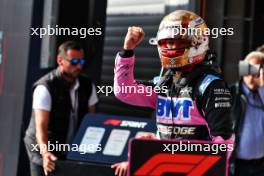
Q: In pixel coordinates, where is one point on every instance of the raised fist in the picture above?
(133, 37)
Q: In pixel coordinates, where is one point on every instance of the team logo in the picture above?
(186, 92)
(125, 123)
(172, 61)
(174, 107)
(191, 165)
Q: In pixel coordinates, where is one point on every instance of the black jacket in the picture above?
(61, 108)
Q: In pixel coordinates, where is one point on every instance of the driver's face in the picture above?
(174, 44)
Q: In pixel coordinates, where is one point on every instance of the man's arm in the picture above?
(216, 105)
(93, 100)
(41, 109)
(124, 73)
(261, 85)
(42, 121)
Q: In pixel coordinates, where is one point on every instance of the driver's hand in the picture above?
(133, 37)
(120, 168)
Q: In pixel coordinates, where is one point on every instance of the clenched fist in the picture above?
(133, 37)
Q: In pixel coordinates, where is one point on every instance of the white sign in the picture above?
(116, 142)
(92, 136)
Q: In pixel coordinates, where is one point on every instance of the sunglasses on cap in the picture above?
(75, 61)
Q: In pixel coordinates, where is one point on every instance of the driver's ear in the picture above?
(59, 60)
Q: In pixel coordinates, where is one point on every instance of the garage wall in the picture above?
(15, 19)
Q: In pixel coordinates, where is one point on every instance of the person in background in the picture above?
(60, 99)
(248, 115)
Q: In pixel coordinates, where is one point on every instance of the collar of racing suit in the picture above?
(187, 78)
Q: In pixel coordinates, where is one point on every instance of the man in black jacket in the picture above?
(60, 99)
(248, 114)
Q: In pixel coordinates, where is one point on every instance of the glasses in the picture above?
(75, 61)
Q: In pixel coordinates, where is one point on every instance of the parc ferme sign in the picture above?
(112, 133)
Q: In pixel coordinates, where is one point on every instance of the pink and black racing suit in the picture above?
(197, 106)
